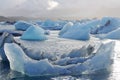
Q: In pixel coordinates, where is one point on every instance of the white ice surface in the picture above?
(52, 46)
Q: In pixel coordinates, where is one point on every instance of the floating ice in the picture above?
(17, 58)
(52, 25)
(60, 56)
(108, 24)
(48, 23)
(34, 33)
(20, 62)
(103, 58)
(22, 25)
(78, 32)
(93, 25)
(115, 34)
(66, 28)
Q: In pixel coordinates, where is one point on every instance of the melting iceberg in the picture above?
(63, 63)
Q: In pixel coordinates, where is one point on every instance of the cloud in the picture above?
(52, 4)
(59, 8)
(5, 4)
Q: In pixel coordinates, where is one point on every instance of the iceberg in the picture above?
(48, 23)
(34, 33)
(115, 34)
(21, 62)
(102, 60)
(93, 25)
(22, 25)
(65, 28)
(39, 22)
(108, 24)
(78, 32)
(52, 25)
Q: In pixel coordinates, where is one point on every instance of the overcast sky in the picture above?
(60, 8)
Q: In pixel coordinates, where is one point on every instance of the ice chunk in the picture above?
(21, 63)
(115, 34)
(78, 32)
(52, 25)
(22, 25)
(66, 28)
(108, 24)
(103, 58)
(34, 33)
(48, 23)
(15, 56)
(111, 35)
(93, 25)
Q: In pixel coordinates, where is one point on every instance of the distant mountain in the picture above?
(2, 18)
